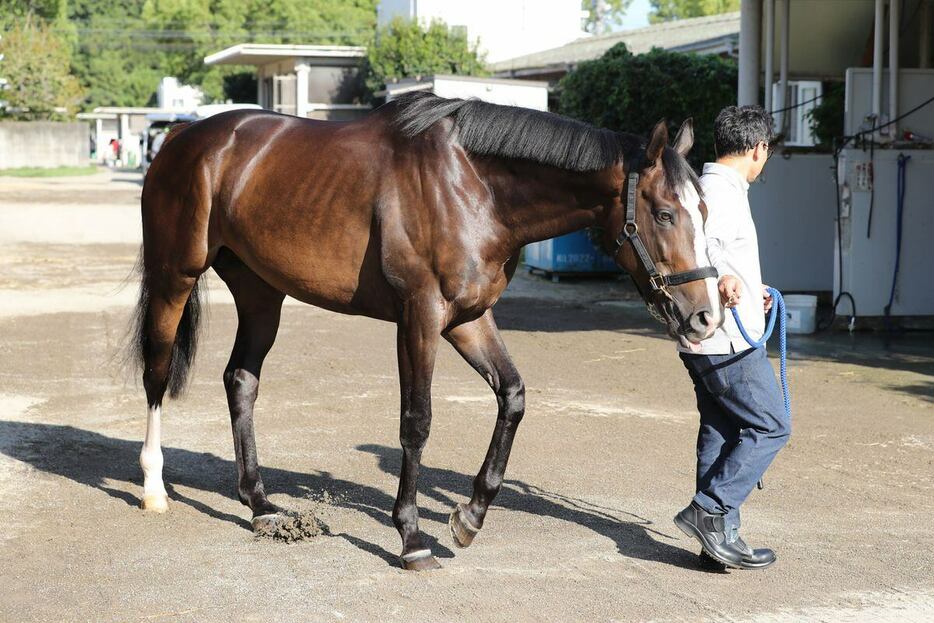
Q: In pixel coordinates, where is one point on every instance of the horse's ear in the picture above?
(685, 139)
(657, 142)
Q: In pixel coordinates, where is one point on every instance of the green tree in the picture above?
(12, 11)
(35, 65)
(665, 10)
(630, 93)
(601, 14)
(115, 57)
(404, 49)
(144, 40)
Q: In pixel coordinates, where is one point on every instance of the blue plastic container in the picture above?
(571, 253)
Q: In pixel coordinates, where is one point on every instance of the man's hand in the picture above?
(766, 298)
(731, 289)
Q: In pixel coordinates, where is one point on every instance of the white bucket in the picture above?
(800, 313)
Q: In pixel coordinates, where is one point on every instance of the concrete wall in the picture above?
(794, 207)
(43, 144)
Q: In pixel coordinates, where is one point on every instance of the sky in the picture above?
(636, 17)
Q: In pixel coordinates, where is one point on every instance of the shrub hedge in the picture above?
(629, 92)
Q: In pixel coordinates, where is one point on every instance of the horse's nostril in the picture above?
(703, 319)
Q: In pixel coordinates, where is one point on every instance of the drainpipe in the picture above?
(783, 71)
(769, 53)
(877, 63)
(894, 22)
(927, 16)
(750, 41)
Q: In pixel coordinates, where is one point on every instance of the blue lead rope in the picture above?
(778, 309)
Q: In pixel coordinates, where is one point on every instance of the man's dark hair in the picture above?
(740, 128)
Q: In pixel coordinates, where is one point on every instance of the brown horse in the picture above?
(415, 215)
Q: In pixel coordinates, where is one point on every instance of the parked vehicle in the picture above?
(161, 123)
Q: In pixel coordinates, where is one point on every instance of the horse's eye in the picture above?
(663, 216)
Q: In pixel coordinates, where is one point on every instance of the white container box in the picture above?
(800, 313)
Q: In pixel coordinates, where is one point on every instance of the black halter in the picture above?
(658, 282)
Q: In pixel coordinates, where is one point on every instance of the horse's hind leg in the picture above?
(258, 310)
(480, 344)
(165, 306)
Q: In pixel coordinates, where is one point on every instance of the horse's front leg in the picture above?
(480, 344)
(259, 307)
(417, 345)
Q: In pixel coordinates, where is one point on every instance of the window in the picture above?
(803, 96)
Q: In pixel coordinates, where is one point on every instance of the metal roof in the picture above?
(263, 53)
(712, 33)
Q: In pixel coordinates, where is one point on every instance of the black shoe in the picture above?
(707, 563)
(754, 558)
(710, 530)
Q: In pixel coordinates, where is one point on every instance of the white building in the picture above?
(178, 97)
(504, 28)
(314, 81)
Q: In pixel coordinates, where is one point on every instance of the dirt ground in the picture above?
(581, 531)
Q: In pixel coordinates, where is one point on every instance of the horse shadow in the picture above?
(95, 460)
(629, 531)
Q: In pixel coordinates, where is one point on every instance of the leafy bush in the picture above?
(404, 49)
(630, 93)
(827, 117)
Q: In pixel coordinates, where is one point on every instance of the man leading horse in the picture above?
(743, 423)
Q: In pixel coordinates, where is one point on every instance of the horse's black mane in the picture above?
(509, 131)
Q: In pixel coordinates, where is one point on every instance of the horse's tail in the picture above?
(186, 335)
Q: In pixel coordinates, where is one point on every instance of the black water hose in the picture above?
(899, 212)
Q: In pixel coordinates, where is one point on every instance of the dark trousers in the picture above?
(742, 427)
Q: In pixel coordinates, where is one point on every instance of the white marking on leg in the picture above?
(691, 202)
(416, 555)
(150, 459)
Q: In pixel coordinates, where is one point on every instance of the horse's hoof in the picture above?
(420, 560)
(462, 530)
(155, 502)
